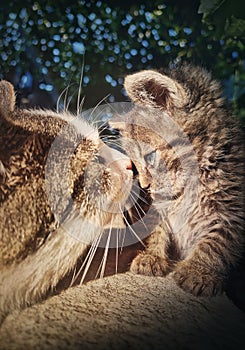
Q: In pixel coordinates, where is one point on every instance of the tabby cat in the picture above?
(60, 187)
(187, 149)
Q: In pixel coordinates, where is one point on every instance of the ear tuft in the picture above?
(7, 98)
(154, 89)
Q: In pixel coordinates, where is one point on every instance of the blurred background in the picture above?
(47, 45)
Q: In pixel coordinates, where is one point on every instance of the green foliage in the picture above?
(227, 17)
(49, 40)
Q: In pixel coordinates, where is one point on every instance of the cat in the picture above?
(60, 187)
(188, 151)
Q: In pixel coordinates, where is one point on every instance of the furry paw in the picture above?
(149, 265)
(198, 280)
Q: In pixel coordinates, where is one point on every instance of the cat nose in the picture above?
(123, 163)
(129, 165)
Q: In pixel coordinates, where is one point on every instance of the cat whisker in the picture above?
(80, 88)
(69, 102)
(111, 142)
(138, 195)
(123, 240)
(131, 229)
(140, 214)
(106, 252)
(87, 261)
(65, 91)
(117, 243)
(81, 105)
(103, 126)
(101, 268)
(138, 207)
(90, 256)
(94, 109)
(65, 108)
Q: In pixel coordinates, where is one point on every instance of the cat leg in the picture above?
(204, 272)
(153, 261)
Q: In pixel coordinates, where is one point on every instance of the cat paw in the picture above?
(198, 280)
(149, 265)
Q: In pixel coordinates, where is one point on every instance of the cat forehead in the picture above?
(82, 127)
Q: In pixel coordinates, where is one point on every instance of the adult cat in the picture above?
(60, 187)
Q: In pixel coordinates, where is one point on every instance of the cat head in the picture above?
(78, 172)
(166, 111)
(145, 128)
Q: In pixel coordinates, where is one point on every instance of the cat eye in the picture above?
(150, 158)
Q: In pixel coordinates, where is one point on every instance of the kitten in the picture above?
(188, 152)
(60, 187)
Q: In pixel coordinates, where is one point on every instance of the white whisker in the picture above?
(122, 245)
(81, 105)
(139, 196)
(138, 207)
(80, 88)
(62, 93)
(102, 272)
(140, 218)
(132, 230)
(90, 256)
(69, 101)
(137, 204)
(96, 106)
(65, 107)
(117, 243)
(91, 249)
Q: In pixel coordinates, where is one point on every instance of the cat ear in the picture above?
(150, 88)
(7, 98)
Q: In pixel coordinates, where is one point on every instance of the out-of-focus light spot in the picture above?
(92, 16)
(56, 37)
(108, 78)
(133, 52)
(56, 52)
(172, 32)
(86, 79)
(47, 87)
(187, 30)
(78, 47)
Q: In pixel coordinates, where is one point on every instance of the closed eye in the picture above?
(150, 158)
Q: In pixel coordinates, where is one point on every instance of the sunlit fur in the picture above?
(203, 241)
(53, 205)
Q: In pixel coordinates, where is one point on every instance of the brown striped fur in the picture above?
(202, 250)
(37, 248)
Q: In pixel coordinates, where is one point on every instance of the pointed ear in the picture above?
(7, 98)
(150, 88)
